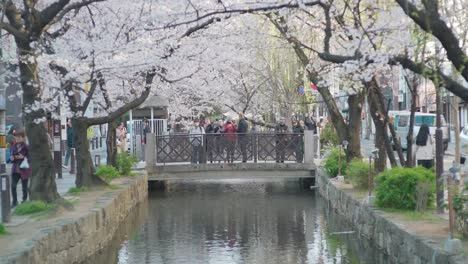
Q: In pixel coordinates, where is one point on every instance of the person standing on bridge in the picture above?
(243, 138)
(230, 130)
(219, 140)
(281, 130)
(196, 139)
(298, 134)
(209, 130)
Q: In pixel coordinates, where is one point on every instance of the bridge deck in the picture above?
(231, 171)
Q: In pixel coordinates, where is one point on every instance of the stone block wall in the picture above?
(74, 240)
(399, 245)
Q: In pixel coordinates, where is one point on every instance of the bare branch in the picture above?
(430, 21)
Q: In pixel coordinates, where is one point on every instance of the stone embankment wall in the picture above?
(74, 240)
(400, 246)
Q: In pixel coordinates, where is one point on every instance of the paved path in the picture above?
(64, 184)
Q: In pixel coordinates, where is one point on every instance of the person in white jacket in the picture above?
(197, 133)
(424, 151)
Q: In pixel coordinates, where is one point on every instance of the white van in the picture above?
(402, 121)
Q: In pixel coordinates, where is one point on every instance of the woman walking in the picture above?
(424, 150)
(121, 138)
(21, 167)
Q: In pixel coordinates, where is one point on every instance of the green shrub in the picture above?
(106, 172)
(125, 163)
(2, 229)
(328, 136)
(331, 166)
(32, 207)
(397, 188)
(460, 206)
(358, 173)
(76, 190)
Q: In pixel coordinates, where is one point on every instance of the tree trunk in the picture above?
(368, 123)
(397, 142)
(85, 174)
(43, 186)
(381, 162)
(355, 103)
(111, 144)
(378, 111)
(410, 137)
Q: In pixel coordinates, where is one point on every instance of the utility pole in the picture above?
(4, 179)
(439, 153)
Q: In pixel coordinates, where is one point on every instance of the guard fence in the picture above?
(249, 147)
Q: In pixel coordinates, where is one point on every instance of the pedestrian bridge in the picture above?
(231, 171)
(242, 156)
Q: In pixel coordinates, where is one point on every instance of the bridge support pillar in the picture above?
(309, 147)
(150, 152)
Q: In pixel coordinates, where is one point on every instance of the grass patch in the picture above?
(2, 230)
(108, 173)
(113, 187)
(412, 215)
(77, 190)
(34, 208)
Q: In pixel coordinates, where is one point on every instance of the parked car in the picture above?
(402, 121)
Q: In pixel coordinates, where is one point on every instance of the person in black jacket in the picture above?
(311, 124)
(281, 131)
(298, 134)
(243, 138)
(209, 133)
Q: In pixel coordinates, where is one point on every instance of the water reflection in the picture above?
(241, 222)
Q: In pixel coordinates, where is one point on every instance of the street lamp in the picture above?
(375, 155)
(452, 245)
(340, 177)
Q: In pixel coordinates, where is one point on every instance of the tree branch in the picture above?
(127, 107)
(430, 21)
(56, 11)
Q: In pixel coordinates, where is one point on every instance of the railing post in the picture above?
(150, 151)
(255, 146)
(309, 147)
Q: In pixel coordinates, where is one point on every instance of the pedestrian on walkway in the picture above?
(70, 144)
(121, 138)
(21, 169)
(243, 138)
(424, 151)
(10, 142)
(196, 133)
(281, 130)
(146, 129)
(298, 142)
(230, 130)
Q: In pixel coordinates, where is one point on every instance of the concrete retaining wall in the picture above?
(74, 240)
(399, 245)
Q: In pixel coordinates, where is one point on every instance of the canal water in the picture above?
(236, 222)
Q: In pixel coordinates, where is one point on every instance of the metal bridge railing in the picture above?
(250, 147)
